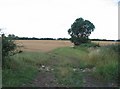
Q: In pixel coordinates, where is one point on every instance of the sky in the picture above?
(53, 18)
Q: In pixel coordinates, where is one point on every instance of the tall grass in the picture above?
(18, 77)
(22, 68)
(105, 59)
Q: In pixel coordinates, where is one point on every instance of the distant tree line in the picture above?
(34, 38)
(104, 40)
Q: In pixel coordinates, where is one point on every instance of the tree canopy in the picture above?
(80, 31)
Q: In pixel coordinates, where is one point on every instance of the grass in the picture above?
(67, 77)
(105, 59)
(24, 67)
(18, 77)
(68, 60)
(18, 73)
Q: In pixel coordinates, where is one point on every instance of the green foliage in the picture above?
(80, 31)
(87, 45)
(8, 48)
(79, 40)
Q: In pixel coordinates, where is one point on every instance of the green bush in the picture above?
(90, 45)
(8, 48)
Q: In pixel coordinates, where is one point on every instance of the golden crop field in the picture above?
(104, 43)
(42, 45)
(48, 45)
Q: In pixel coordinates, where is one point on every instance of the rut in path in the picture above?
(45, 79)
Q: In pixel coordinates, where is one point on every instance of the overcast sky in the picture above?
(53, 18)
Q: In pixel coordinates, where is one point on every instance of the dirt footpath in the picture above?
(47, 79)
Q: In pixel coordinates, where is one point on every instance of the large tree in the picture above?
(80, 31)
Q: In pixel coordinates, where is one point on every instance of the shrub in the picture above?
(90, 45)
(8, 48)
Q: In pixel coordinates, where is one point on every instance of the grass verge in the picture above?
(65, 61)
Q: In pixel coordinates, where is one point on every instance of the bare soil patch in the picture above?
(45, 79)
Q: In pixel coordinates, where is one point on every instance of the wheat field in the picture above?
(105, 43)
(42, 45)
(48, 45)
